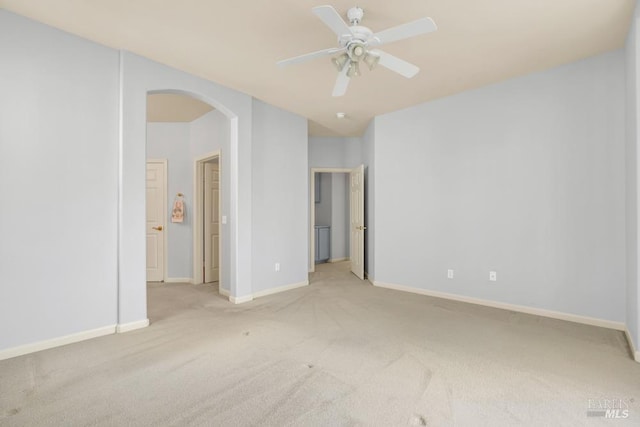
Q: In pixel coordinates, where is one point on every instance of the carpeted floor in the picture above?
(337, 352)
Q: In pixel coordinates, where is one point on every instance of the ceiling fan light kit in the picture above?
(371, 59)
(356, 42)
(340, 61)
(354, 69)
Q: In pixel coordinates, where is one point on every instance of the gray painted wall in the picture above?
(633, 97)
(280, 197)
(330, 152)
(323, 207)
(525, 177)
(209, 133)
(58, 183)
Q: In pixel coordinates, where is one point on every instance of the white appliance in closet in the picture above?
(323, 243)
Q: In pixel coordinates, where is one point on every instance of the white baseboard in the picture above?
(56, 342)
(619, 326)
(247, 298)
(241, 300)
(635, 353)
(280, 289)
(178, 280)
(338, 259)
(132, 326)
(224, 292)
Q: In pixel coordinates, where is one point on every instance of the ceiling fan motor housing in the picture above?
(356, 42)
(358, 32)
(356, 50)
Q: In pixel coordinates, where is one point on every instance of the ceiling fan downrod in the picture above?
(355, 15)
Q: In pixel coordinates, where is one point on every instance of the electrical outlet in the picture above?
(493, 276)
(277, 266)
(449, 274)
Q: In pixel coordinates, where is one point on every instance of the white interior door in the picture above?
(155, 202)
(357, 227)
(211, 222)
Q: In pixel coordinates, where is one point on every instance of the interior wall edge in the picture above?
(132, 326)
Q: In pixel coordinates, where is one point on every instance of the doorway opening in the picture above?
(331, 217)
(145, 79)
(186, 136)
(343, 207)
(208, 219)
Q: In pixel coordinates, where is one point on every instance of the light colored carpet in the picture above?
(337, 352)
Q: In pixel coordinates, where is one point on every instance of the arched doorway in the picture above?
(142, 77)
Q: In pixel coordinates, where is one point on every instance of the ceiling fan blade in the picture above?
(404, 31)
(310, 56)
(332, 19)
(342, 82)
(398, 65)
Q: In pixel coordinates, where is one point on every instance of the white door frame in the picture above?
(356, 221)
(165, 267)
(312, 211)
(198, 218)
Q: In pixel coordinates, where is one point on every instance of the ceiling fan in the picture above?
(356, 45)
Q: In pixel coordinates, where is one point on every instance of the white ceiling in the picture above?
(237, 44)
(167, 107)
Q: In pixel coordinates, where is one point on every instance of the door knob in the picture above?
(159, 228)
